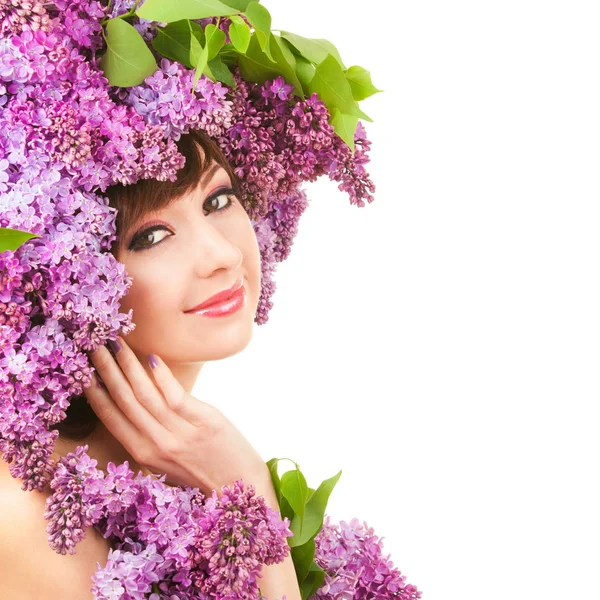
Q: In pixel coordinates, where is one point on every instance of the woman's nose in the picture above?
(213, 249)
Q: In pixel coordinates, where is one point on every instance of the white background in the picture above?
(441, 345)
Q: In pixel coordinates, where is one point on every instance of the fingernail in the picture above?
(115, 346)
(100, 384)
(152, 361)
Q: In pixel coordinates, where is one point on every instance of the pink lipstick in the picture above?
(222, 304)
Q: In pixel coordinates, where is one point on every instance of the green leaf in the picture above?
(200, 65)
(287, 54)
(330, 83)
(175, 41)
(175, 10)
(295, 490)
(286, 69)
(196, 50)
(229, 54)
(220, 71)
(260, 18)
(127, 60)
(272, 465)
(314, 513)
(208, 72)
(332, 87)
(11, 239)
(241, 5)
(313, 581)
(215, 39)
(286, 510)
(360, 83)
(239, 33)
(344, 126)
(305, 71)
(313, 49)
(303, 557)
(255, 65)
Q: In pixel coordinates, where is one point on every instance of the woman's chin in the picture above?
(219, 343)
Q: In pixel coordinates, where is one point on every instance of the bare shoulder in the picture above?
(29, 568)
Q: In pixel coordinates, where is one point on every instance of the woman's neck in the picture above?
(102, 446)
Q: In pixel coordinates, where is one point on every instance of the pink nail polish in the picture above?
(152, 361)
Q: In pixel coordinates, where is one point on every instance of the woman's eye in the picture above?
(224, 204)
(152, 234)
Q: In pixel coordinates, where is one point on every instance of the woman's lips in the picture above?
(219, 297)
(224, 307)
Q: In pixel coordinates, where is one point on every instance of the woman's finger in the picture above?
(145, 390)
(121, 392)
(183, 404)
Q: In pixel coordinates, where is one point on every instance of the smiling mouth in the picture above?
(224, 307)
(221, 296)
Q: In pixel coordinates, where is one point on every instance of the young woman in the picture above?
(120, 152)
(182, 243)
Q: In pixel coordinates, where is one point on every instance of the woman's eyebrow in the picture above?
(208, 175)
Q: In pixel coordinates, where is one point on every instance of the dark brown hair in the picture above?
(132, 203)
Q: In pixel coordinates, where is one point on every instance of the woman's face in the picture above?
(182, 255)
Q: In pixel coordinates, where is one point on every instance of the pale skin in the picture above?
(148, 415)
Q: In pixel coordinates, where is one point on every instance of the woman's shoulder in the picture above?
(29, 568)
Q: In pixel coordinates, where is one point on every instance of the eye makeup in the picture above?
(162, 226)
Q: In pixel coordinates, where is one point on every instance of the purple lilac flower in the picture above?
(127, 574)
(352, 558)
(177, 542)
(173, 537)
(70, 510)
(166, 98)
(235, 536)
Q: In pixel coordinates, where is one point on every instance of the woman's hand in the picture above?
(167, 430)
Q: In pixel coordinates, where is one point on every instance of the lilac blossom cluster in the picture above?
(173, 542)
(352, 558)
(65, 136)
(170, 541)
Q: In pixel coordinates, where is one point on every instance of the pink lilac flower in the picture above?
(15, 15)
